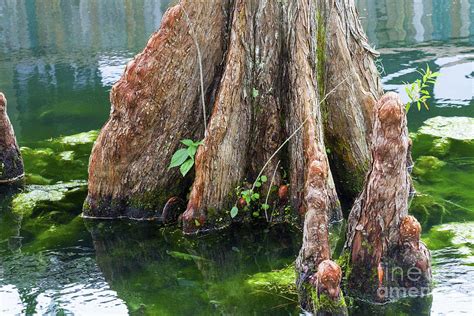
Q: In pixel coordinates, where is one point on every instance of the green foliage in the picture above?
(322, 303)
(417, 91)
(250, 196)
(255, 93)
(234, 211)
(184, 157)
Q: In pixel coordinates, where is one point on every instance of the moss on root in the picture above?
(323, 303)
(149, 201)
(321, 59)
(344, 261)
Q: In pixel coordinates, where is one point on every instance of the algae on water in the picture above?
(456, 235)
(85, 138)
(460, 128)
(443, 150)
(24, 203)
(59, 159)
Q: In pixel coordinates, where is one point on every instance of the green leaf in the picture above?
(188, 142)
(258, 184)
(418, 105)
(254, 93)
(255, 196)
(246, 193)
(192, 151)
(234, 211)
(196, 222)
(265, 206)
(255, 214)
(407, 106)
(186, 166)
(178, 158)
(263, 179)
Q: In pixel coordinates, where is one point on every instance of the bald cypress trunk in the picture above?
(289, 91)
(271, 76)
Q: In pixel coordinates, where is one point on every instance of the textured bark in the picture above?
(244, 128)
(11, 163)
(267, 67)
(152, 111)
(311, 183)
(376, 239)
(348, 58)
(310, 170)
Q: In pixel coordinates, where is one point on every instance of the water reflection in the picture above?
(65, 281)
(453, 93)
(413, 33)
(393, 23)
(58, 59)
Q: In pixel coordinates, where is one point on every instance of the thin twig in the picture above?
(270, 187)
(193, 35)
(294, 133)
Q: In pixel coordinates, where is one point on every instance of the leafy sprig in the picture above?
(184, 157)
(417, 91)
(250, 196)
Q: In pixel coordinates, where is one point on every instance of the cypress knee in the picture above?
(11, 163)
(385, 254)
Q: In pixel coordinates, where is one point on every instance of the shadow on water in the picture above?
(150, 268)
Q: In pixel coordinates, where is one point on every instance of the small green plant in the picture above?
(184, 157)
(417, 91)
(258, 182)
(250, 196)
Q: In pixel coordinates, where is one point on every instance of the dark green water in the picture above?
(58, 60)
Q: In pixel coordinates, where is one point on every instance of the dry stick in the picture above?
(193, 35)
(270, 188)
(294, 133)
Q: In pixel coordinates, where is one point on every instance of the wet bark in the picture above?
(381, 236)
(11, 163)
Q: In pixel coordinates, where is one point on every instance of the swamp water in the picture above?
(58, 60)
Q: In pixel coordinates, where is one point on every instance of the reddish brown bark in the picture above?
(376, 237)
(311, 182)
(244, 128)
(155, 104)
(347, 59)
(11, 163)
